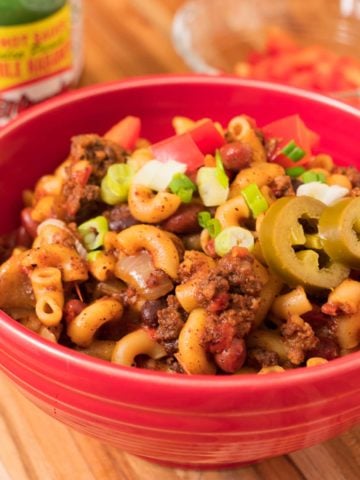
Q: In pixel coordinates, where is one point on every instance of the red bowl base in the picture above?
(199, 466)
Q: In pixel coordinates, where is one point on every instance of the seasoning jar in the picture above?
(40, 51)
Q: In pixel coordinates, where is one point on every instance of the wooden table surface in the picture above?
(127, 38)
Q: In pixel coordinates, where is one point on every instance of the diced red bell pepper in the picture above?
(262, 69)
(190, 147)
(126, 132)
(279, 41)
(304, 79)
(282, 66)
(287, 129)
(207, 137)
(180, 148)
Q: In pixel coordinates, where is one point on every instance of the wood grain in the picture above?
(127, 38)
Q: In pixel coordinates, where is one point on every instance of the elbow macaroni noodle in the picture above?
(146, 237)
(241, 130)
(150, 208)
(192, 355)
(84, 326)
(49, 295)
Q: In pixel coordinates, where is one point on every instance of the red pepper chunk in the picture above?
(207, 137)
(126, 132)
(288, 129)
(180, 148)
(189, 147)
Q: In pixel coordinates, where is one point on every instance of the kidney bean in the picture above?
(236, 155)
(316, 318)
(23, 238)
(327, 348)
(121, 218)
(232, 359)
(184, 220)
(28, 223)
(149, 312)
(72, 308)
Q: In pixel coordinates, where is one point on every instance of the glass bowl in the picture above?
(225, 36)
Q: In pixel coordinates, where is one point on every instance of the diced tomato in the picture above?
(282, 66)
(339, 80)
(126, 132)
(262, 69)
(279, 41)
(181, 148)
(207, 137)
(287, 129)
(191, 146)
(311, 67)
(255, 57)
(301, 79)
(352, 75)
(323, 76)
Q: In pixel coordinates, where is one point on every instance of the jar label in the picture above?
(35, 50)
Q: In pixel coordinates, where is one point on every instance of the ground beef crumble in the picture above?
(80, 196)
(281, 186)
(352, 173)
(230, 293)
(171, 319)
(355, 192)
(259, 358)
(299, 338)
(99, 152)
(194, 263)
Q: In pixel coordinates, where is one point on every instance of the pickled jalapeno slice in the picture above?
(283, 239)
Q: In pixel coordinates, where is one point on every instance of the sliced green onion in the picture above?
(203, 219)
(182, 186)
(212, 225)
(311, 176)
(116, 183)
(93, 256)
(294, 171)
(110, 196)
(220, 171)
(255, 199)
(289, 147)
(93, 232)
(293, 151)
(185, 194)
(233, 237)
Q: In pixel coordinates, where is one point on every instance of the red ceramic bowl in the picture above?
(194, 421)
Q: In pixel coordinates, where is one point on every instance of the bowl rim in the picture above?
(169, 79)
(298, 376)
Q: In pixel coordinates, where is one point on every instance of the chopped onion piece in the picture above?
(327, 194)
(54, 222)
(136, 270)
(157, 175)
(81, 250)
(211, 191)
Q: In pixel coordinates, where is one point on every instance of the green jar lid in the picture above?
(18, 12)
